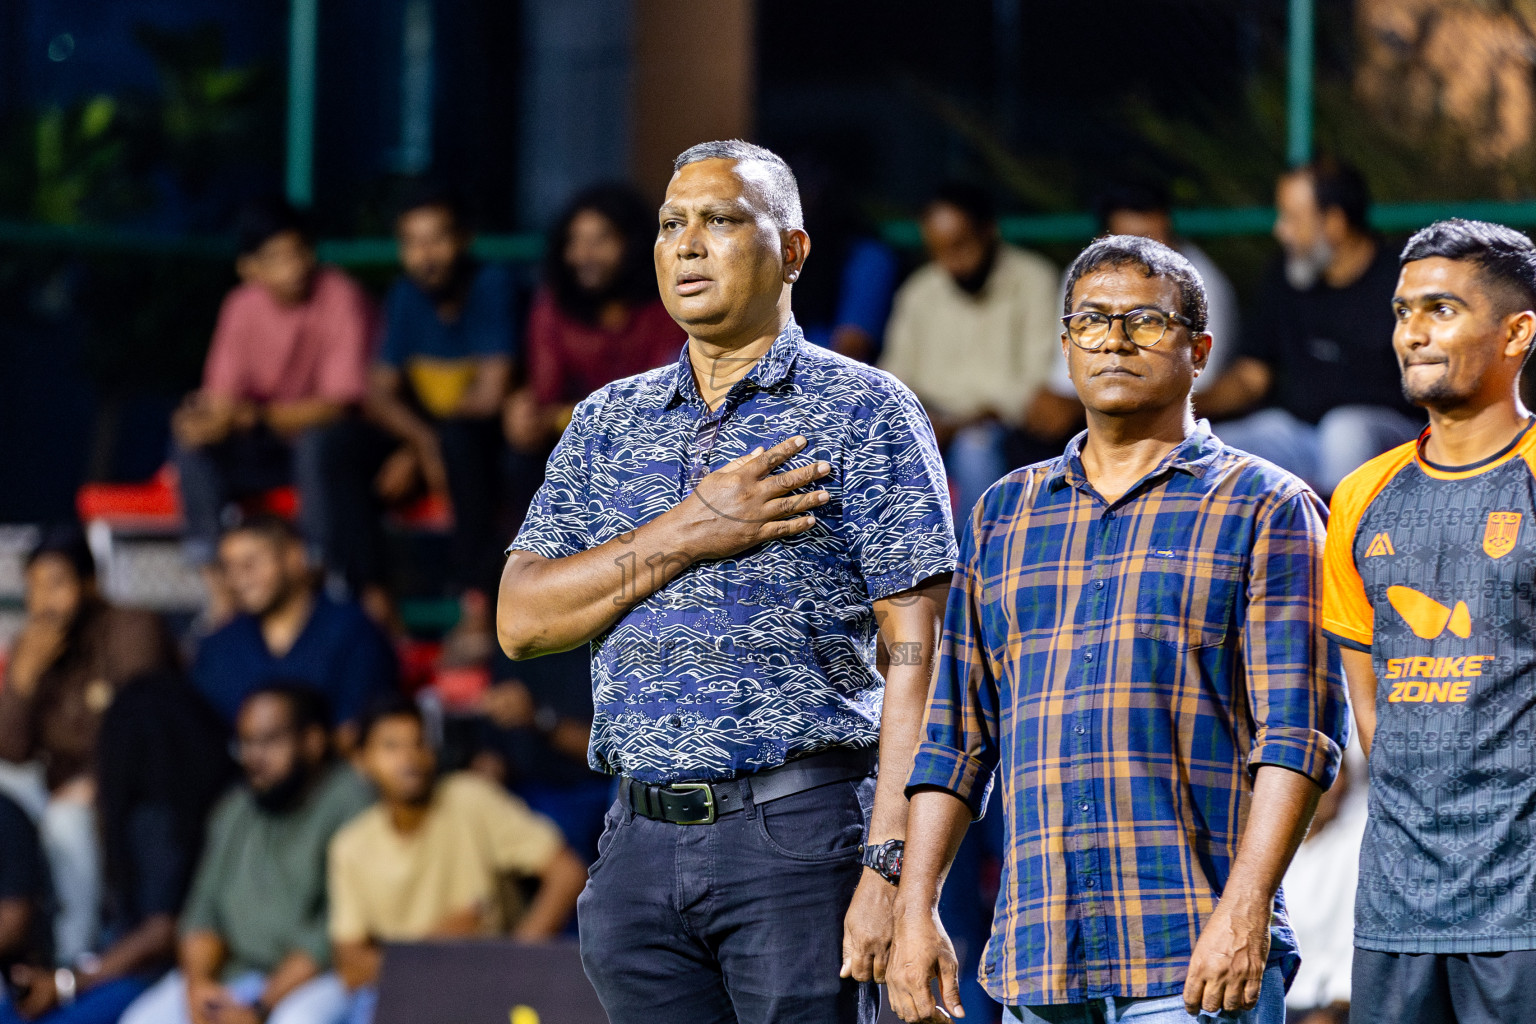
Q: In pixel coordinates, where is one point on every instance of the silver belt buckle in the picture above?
(709, 801)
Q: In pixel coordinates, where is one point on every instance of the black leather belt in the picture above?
(700, 803)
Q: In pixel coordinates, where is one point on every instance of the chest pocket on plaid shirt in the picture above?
(1185, 599)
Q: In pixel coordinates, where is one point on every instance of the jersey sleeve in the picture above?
(1348, 615)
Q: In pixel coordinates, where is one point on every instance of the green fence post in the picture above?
(1298, 85)
(303, 32)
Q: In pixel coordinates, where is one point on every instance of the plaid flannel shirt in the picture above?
(1127, 665)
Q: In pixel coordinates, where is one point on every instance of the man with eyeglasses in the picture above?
(254, 944)
(1132, 645)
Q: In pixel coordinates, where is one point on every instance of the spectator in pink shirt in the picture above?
(287, 366)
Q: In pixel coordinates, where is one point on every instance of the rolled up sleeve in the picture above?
(959, 748)
(1295, 684)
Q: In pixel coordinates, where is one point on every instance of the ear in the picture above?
(797, 248)
(316, 744)
(1521, 331)
(1200, 350)
(1335, 224)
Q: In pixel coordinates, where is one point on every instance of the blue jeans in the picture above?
(1158, 1009)
(321, 1000)
(247, 464)
(103, 1004)
(738, 921)
(1322, 455)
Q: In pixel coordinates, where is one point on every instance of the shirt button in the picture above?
(1084, 806)
(1079, 730)
(676, 721)
(1087, 883)
(1087, 655)
(1098, 584)
(1108, 516)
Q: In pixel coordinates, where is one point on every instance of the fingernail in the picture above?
(823, 467)
(800, 442)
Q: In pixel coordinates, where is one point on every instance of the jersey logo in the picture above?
(1427, 617)
(1381, 544)
(1499, 536)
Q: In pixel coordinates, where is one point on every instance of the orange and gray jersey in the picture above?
(1432, 570)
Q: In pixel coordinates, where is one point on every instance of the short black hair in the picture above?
(394, 705)
(1340, 185)
(635, 221)
(266, 217)
(1132, 196)
(269, 527)
(1504, 257)
(434, 193)
(969, 198)
(308, 707)
(66, 541)
(1155, 260)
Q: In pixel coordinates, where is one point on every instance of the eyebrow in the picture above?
(708, 208)
(1430, 298)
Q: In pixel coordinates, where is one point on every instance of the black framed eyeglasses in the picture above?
(1145, 327)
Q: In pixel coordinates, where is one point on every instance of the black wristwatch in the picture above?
(885, 859)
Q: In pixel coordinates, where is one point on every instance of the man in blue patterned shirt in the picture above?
(737, 535)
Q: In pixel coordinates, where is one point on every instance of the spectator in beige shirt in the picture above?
(975, 333)
(429, 860)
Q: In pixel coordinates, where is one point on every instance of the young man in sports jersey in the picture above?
(1431, 591)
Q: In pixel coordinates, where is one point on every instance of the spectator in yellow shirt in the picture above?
(427, 860)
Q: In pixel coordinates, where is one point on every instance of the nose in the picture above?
(1119, 338)
(690, 243)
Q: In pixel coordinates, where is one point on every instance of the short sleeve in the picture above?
(224, 370)
(347, 323)
(393, 348)
(347, 892)
(555, 524)
(896, 507)
(1348, 615)
(201, 912)
(521, 840)
(488, 318)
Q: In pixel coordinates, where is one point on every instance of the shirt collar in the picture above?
(771, 369)
(1193, 455)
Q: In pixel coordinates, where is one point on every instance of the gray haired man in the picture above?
(734, 534)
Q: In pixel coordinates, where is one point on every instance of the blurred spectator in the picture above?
(974, 333)
(429, 860)
(443, 370)
(289, 629)
(26, 935)
(598, 317)
(1318, 352)
(538, 722)
(74, 653)
(844, 301)
(253, 943)
(162, 764)
(1142, 208)
(1320, 898)
(288, 362)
